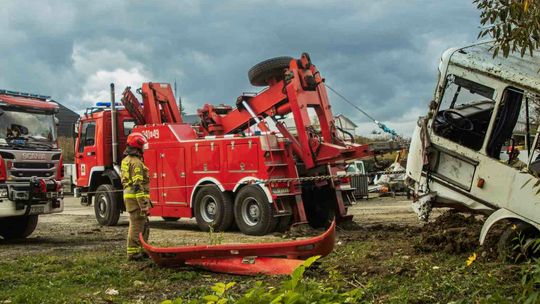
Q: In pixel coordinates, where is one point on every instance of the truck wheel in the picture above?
(18, 227)
(272, 68)
(253, 212)
(106, 205)
(318, 204)
(515, 243)
(170, 218)
(213, 208)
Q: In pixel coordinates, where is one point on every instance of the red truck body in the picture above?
(264, 181)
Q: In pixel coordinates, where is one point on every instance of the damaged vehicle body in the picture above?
(477, 150)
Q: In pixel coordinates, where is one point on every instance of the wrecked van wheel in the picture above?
(213, 208)
(253, 212)
(106, 205)
(272, 68)
(18, 227)
(516, 243)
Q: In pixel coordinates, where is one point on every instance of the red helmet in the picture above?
(136, 140)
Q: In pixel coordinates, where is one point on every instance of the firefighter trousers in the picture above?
(138, 222)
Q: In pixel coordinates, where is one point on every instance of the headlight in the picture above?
(3, 192)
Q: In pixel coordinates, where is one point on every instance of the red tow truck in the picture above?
(222, 171)
(30, 162)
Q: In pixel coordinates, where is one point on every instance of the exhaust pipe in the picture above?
(114, 132)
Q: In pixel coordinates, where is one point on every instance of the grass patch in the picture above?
(384, 266)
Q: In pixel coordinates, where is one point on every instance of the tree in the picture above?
(514, 24)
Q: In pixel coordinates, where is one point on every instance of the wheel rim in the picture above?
(208, 208)
(102, 205)
(251, 211)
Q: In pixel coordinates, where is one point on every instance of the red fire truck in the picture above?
(30, 162)
(221, 171)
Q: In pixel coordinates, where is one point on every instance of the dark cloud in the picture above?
(383, 55)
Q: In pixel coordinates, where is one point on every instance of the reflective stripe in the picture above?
(142, 195)
(131, 250)
(137, 177)
(130, 195)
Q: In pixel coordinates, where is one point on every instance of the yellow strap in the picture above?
(131, 250)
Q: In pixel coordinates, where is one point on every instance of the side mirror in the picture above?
(75, 130)
(56, 121)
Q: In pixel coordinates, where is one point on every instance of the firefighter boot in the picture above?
(138, 222)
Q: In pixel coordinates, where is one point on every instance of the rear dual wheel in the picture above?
(253, 213)
(213, 209)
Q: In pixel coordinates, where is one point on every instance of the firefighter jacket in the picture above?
(136, 182)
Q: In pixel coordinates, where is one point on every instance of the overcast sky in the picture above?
(383, 55)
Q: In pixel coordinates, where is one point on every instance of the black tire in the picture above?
(213, 208)
(107, 205)
(319, 204)
(253, 213)
(272, 68)
(170, 218)
(515, 242)
(18, 227)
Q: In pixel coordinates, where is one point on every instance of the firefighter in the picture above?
(135, 180)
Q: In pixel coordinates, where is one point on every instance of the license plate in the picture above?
(37, 209)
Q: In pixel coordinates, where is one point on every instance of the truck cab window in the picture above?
(464, 112)
(87, 137)
(128, 126)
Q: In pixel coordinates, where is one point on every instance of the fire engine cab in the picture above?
(219, 171)
(30, 162)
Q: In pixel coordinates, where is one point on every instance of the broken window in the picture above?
(515, 128)
(464, 112)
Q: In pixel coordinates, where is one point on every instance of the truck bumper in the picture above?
(15, 200)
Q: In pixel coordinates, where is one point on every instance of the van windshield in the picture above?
(465, 111)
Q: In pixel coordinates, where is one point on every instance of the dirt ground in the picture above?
(76, 228)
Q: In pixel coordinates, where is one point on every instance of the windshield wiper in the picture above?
(22, 142)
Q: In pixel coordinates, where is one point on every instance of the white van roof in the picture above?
(523, 72)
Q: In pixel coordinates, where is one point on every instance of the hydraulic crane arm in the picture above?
(158, 102)
(294, 86)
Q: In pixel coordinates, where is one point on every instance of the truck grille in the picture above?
(19, 165)
(19, 174)
(360, 183)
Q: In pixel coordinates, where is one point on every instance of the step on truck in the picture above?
(30, 162)
(240, 165)
(477, 149)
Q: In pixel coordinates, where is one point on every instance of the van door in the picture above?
(459, 129)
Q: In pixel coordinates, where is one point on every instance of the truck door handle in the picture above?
(91, 153)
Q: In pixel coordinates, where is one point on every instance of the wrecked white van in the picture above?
(478, 149)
